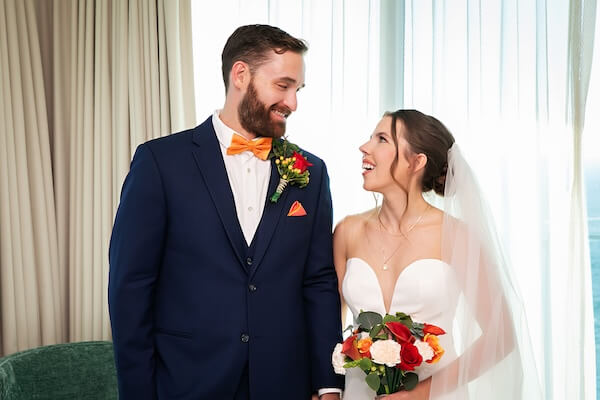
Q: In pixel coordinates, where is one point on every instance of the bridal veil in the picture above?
(495, 358)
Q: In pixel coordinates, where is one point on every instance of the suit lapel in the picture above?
(209, 159)
(271, 215)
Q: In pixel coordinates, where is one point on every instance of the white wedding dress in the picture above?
(426, 290)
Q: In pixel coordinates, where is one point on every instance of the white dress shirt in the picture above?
(249, 180)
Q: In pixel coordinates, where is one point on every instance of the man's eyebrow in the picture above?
(291, 81)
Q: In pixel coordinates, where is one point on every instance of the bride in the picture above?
(441, 266)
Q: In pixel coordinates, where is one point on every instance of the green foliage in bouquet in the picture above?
(393, 340)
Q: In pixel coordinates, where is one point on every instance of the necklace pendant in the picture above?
(385, 267)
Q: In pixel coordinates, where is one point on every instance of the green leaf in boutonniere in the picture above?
(291, 165)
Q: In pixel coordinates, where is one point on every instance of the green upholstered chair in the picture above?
(81, 370)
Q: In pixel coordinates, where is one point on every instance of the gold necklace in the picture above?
(385, 265)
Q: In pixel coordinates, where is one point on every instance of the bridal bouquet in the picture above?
(387, 349)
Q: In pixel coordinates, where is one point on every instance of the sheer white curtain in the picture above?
(508, 78)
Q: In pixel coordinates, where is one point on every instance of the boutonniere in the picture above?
(291, 165)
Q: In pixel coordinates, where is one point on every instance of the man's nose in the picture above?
(291, 101)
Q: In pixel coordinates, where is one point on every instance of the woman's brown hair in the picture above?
(425, 134)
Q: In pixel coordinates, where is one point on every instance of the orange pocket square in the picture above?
(296, 210)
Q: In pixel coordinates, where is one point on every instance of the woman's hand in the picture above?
(326, 396)
(421, 392)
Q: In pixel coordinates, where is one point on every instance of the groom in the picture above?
(216, 292)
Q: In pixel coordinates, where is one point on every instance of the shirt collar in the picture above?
(224, 133)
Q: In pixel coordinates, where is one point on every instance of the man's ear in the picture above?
(239, 76)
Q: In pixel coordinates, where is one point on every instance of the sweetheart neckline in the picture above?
(372, 270)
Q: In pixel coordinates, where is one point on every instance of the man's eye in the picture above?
(282, 86)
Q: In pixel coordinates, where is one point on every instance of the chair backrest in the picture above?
(81, 370)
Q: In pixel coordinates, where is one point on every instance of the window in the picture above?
(592, 182)
(591, 168)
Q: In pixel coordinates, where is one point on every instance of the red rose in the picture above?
(350, 348)
(432, 329)
(401, 332)
(301, 162)
(409, 357)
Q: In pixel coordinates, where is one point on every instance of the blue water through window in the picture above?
(592, 180)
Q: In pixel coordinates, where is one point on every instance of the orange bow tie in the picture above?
(260, 147)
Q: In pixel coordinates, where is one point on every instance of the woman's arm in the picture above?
(340, 257)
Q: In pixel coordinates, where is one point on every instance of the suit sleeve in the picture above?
(135, 254)
(321, 297)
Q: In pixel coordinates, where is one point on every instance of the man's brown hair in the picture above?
(252, 43)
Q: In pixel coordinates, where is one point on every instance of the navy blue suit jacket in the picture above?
(192, 305)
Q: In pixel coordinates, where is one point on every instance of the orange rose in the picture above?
(364, 345)
(434, 342)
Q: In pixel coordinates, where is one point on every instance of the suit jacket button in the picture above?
(249, 260)
(245, 338)
(252, 288)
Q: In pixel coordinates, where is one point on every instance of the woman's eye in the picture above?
(382, 139)
(282, 86)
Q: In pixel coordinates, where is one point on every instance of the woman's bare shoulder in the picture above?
(353, 222)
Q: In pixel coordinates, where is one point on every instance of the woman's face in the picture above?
(379, 153)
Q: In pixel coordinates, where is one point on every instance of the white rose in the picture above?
(338, 359)
(425, 350)
(386, 352)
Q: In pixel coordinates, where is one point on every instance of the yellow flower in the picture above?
(276, 161)
(290, 167)
(281, 158)
(284, 176)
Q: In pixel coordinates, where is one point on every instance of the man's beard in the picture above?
(255, 116)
